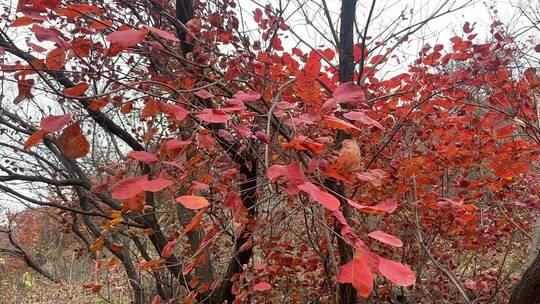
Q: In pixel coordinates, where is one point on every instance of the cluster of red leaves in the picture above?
(414, 130)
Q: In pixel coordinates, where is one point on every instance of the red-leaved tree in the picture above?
(218, 165)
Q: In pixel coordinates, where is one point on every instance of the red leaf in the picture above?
(470, 284)
(257, 15)
(177, 112)
(193, 202)
(244, 131)
(143, 156)
(163, 34)
(260, 135)
(156, 185)
(100, 24)
(467, 28)
(247, 97)
(204, 94)
(25, 87)
(348, 161)
(358, 273)
(73, 143)
(127, 38)
(77, 90)
(34, 139)
(291, 172)
(397, 273)
(128, 187)
(324, 198)
(94, 287)
(85, 8)
(378, 59)
(213, 116)
(387, 206)
(346, 93)
(374, 176)
(82, 46)
(174, 144)
(45, 34)
(54, 123)
(55, 59)
(537, 48)
(386, 238)
(336, 123)
(194, 25)
(156, 300)
(22, 21)
(168, 249)
(262, 286)
(363, 118)
(328, 54)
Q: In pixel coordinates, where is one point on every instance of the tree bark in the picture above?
(527, 290)
(184, 13)
(346, 292)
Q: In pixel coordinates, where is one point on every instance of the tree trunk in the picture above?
(346, 292)
(527, 290)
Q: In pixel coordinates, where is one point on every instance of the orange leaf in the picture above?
(135, 203)
(195, 221)
(73, 143)
(336, 123)
(35, 138)
(193, 201)
(97, 245)
(348, 161)
(22, 21)
(302, 144)
(77, 90)
(95, 287)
